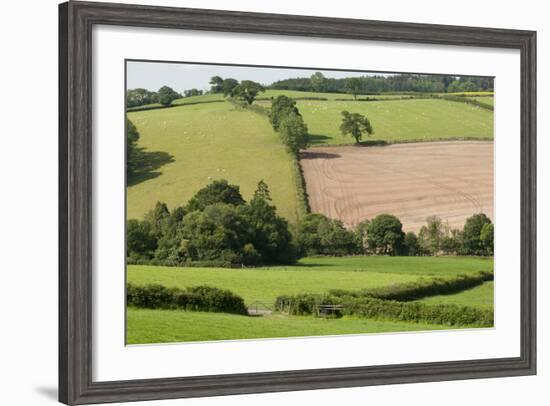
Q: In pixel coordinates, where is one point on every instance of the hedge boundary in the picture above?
(197, 298)
(394, 302)
(421, 288)
(145, 108)
(366, 307)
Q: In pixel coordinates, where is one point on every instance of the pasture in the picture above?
(311, 275)
(480, 296)
(399, 120)
(204, 142)
(452, 180)
(148, 326)
(191, 145)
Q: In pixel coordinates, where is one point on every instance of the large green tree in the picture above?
(472, 243)
(320, 235)
(293, 132)
(167, 95)
(219, 191)
(247, 90)
(271, 236)
(281, 106)
(216, 83)
(356, 125)
(385, 235)
(228, 85)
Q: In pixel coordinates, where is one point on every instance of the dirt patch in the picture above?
(452, 180)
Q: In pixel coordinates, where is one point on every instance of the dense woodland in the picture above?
(380, 84)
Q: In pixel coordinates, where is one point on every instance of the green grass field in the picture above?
(207, 142)
(198, 143)
(313, 275)
(480, 296)
(145, 326)
(399, 120)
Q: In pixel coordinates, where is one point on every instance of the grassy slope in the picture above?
(316, 275)
(480, 296)
(164, 326)
(399, 120)
(211, 141)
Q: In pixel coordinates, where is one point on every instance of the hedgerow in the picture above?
(443, 314)
(197, 298)
(394, 302)
(423, 287)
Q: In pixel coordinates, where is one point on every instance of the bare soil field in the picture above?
(452, 180)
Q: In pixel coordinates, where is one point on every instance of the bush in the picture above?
(198, 298)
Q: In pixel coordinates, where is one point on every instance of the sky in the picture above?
(181, 76)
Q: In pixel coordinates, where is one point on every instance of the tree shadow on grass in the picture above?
(315, 139)
(310, 154)
(147, 164)
(372, 143)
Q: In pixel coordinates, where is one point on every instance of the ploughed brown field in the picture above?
(452, 180)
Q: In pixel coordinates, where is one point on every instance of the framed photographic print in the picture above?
(260, 202)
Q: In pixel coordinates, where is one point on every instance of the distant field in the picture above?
(207, 142)
(313, 275)
(329, 96)
(470, 94)
(480, 296)
(399, 120)
(145, 326)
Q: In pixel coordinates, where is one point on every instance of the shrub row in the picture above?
(256, 108)
(197, 298)
(372, 99)
(467, 100)
(294, 98)
(160, 106)
(135, 260)
(443, 314)
(303, 200)
(422, 288)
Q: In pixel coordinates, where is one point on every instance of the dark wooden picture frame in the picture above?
(76, 20)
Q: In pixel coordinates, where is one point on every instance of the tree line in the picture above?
(140, 97)
(380, 84)
(217, 227)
